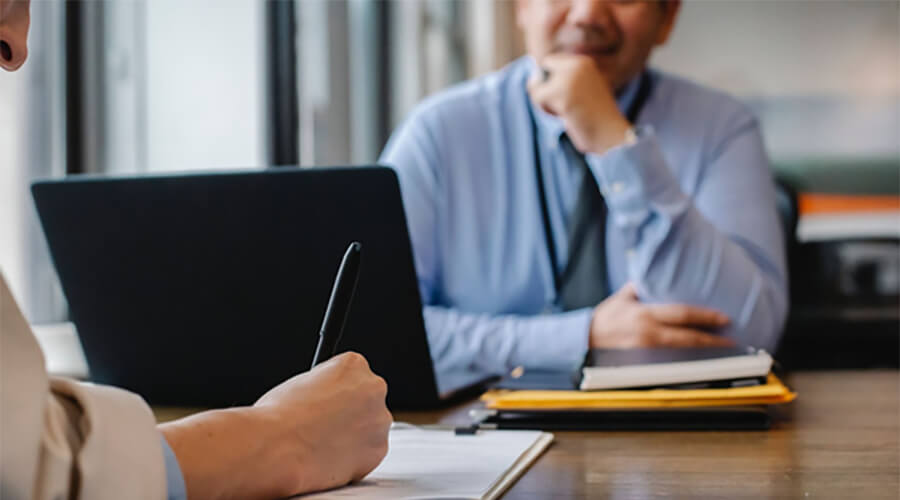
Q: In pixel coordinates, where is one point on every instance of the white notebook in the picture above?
(438, 464)
(630, 368)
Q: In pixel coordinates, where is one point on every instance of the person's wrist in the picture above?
(235, 452)
(612, 134)
(602, 336)
(594, 331)
(286, 461)
(268, 455)
(631, 136)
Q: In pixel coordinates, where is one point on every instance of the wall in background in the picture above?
(204, 78)
(181, 86)
(823, 76)
(13, 190)
(169, 85)
(789, 47)
(32, 146)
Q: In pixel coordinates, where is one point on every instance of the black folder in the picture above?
(730, 418)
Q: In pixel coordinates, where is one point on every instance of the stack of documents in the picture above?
(732, 408)
(772, 392)
(730, 388)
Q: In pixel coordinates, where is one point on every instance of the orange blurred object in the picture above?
(819, 203)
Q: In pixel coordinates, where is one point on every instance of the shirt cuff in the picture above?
(557, 342)
(175, 487)
(635, 180)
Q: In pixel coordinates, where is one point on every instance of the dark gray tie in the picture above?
(583, 283)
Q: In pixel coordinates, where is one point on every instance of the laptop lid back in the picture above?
(209, 289)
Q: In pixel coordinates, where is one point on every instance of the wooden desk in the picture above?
(838, 440)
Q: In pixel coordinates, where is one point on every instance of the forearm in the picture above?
(493, 344)
(680, 256)
(233, 453)
(687, 260)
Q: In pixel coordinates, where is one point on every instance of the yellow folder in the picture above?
(772, 392)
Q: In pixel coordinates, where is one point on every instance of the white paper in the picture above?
(437, 464)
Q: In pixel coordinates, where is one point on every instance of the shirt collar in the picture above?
(551, 128)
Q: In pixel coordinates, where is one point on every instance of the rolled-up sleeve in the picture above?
(721, 248)
(108, 435)
(494, 344)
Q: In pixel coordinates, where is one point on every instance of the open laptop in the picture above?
(209, 289)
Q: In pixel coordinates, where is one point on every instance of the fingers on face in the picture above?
(561, 61)
(545, 85)
(543, 93)
(552, 61)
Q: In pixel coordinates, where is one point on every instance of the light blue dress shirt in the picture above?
(176, 489)
(692, 219)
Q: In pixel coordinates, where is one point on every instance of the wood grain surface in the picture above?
(838, 440)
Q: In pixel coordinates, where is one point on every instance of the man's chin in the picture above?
(604, 60)
(606, 64)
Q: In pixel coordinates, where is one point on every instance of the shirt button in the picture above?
(630, 253)
(617, 187)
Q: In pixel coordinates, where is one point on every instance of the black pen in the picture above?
(338, 304)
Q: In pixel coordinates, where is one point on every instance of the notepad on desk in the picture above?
(660, 367)
(437, 464)
(650, 368)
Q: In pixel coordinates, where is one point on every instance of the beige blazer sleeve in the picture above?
(64, 439)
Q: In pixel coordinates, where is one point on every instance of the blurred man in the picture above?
(576, 199)
(64, 439)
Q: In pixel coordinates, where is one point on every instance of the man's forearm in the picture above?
(493, 344)
(698, 265)
(678, 255)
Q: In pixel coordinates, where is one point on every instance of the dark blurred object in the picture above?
(856, 176)
(845, 299)
(845, 310)
(786, 203)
